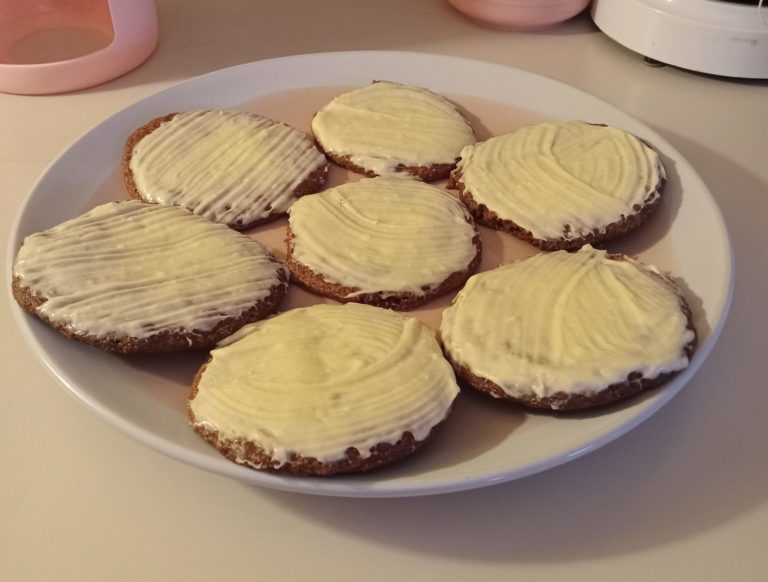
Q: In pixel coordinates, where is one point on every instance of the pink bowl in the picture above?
(519, 14)
(52, 46)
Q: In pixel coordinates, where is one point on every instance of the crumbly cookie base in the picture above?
(253, 455)
(319, 284)
(169, 340)
(429, 173)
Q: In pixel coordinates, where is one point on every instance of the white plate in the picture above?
(484, 442)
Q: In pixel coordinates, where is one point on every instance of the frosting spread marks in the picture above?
(383, 234)
(138, 269)
(385, 126)
(567, 322)
(562, 179)
(315, 381)
(229, 166)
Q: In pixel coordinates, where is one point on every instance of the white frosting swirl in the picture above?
(317, 380)
(137, 269)
(549, 175)
(384, 125)
(229, 166)
(383, 234)
(566, 322)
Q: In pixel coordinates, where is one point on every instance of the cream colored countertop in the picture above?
(681, 497)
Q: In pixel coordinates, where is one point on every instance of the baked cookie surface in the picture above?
(391, 242)
(568, 330)
(322, 390)
(229, 166)
(385, 128)
(560, 185)
(132, 277)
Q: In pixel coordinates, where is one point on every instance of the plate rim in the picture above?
(344, 486)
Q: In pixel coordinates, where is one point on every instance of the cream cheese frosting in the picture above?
(567, 322)
(562, 179)
(383, 234)
(229, 166)
(315, 381)
(385, 125)
(137, 269)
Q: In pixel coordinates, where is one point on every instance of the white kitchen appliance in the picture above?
(719, 37)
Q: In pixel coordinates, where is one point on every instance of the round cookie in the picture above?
(131, 277)
(390, 242)
(322, 390)
(385, 128)
(229, 166)
(567, 331)
(560, 185)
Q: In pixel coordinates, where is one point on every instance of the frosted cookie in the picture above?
(560, 185)
(133, 277)
(568, 330)
(229, 166)
(322, 390)
(391, 242)
(385, 128)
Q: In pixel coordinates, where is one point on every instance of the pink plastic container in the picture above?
(52, 46)
(519, 14)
